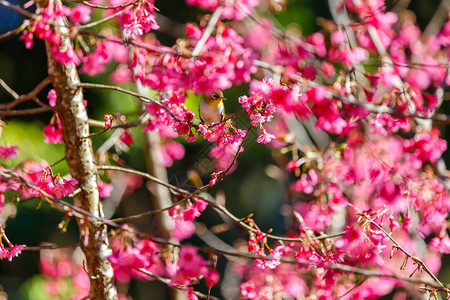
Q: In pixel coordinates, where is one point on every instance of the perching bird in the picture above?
(211, 108)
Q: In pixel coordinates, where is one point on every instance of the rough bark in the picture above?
(80, 158)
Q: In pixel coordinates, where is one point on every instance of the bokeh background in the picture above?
(257, 186)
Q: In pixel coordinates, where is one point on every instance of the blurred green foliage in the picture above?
(248, 190)
(29, 138)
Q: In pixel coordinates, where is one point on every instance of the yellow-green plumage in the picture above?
(211, 108)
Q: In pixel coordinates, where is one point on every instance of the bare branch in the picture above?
(109, 7)
(136, 44)
(139, 96)
(439, 18)
(93, 24)
(141, 120)
(48, 247)
(30, 111)
(207, 33)
(350, 99)
(17, 9)
(417, 260)
(212, 203)
(340, 267)
(22, 98)
(15, 31)
(9, 90)
(179, 287)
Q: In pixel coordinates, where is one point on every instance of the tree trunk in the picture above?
(80, 158)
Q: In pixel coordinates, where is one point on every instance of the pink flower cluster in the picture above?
(43, 179)
(44, 27)
(94, 61)
(237, 9)
(316, 101)
(169, 152)
(14, 250)
(53, 131)
(188, 269)
(80, 14)
(260, 106)
(62, 270)
(359, 246)
(104, 189)
(184, 227)
(228, 141)
(127, 260)
(191, 267)
(136, 21)
(284, 282)
(223, 61)
(55, 186)
(64, 275)
(379, 173)
(8, 151)
(422, 51)
(257, 244)
(426, 146)
(164, 123)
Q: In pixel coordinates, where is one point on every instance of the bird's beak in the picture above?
(223, 98)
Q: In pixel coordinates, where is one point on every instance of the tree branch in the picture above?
(22, 98)
(17, 9)
(93, 24)
(214, 204)
(350, 99)
(207, 33)
(30, 111)
(139, 96)
(417, 260)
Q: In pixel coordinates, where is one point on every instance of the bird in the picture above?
(211, 109)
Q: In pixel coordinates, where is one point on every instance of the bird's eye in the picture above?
(215, 96)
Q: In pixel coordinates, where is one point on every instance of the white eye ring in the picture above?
(215, 96)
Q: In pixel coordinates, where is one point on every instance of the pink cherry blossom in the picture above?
(265, 137)
(8, 151)
(53, 132)
(81, 14)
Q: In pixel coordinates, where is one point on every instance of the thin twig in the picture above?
(9, 90)
(350, 99)
(22, 98)
(212, 203)
(17, 9)
(340, 267)
(48, 247)
(15, 31)
(207, 33)
(357, 285)
(30, 111)
(224, 173)
(417, 260)
(141, 120)
(139, 96)
(179, 287)
(109, 7)
(59, 204)
(136, 44)
(93, 24)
